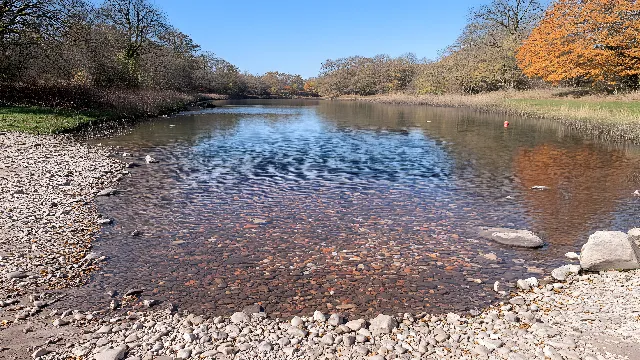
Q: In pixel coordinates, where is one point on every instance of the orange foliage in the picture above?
(597, 40)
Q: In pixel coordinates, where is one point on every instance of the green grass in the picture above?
(584, 109)
(43, 120)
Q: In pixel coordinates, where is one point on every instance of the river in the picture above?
(345, 206)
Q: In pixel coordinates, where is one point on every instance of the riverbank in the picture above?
(593, 316)
(75, 109)
(610, 118)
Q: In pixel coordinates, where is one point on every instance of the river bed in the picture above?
(344, 206)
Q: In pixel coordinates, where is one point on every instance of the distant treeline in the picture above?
(119, 44)
(130, 44)
(509, 44)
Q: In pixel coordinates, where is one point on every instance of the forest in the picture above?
(74, 53)
(509, 44)
(53, 50)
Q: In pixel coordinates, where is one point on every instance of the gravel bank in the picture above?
(588, 317)
(48, 221)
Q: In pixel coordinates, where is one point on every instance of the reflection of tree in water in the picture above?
(586, 186)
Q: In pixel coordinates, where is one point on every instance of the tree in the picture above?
(27, 25)
(595, 40)
(142, 24)
(483, 57)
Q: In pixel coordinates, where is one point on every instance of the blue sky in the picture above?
(297, 36)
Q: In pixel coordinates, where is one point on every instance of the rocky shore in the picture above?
(48, 220)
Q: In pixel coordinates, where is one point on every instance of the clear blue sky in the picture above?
(297, 36)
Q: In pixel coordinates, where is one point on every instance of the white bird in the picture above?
(149, 159)
(636, 193)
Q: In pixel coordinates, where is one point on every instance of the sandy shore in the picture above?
(48, 220)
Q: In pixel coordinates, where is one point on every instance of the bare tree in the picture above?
(141, 21)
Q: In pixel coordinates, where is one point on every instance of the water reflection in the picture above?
(361, 207)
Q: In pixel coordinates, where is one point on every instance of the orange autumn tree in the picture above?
(594, 40)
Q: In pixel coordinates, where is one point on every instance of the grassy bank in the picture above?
(62, 110)
(611, 118)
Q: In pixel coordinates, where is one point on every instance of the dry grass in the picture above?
(50, 110)
(609, 117)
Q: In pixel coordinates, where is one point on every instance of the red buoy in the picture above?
(506, 124)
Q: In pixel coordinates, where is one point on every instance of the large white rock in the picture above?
(609, 250)
(511, 237)
(634, 234)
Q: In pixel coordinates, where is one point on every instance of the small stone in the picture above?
(116, 353)
(289, 351)
(150, 160)
(184, 354)
(523, 285)
(540, 187)
(442, 337)
(253, 309)
(60, 322)
(481, 350)
(265, 346)
(150, 302)
(572, 256)
(348, 339)
(16, 275)
(39, 353)
(361, 349)
(356, 325)
(335, 319)
(107, 192)
(114, 304)
(240, 317)
(319, 316)
(189, 337)
(297, 332)
(134, 292)
(105, 329)
(328, 339)
(383, 324)
(563, 272)
(511, 237)
(226, 349)
(297, 321)
(518, 300)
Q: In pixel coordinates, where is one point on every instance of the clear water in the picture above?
(305, 205)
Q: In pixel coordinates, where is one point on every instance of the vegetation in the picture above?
(593, 41)
(66, 62)
(510, 44)
(41, 120)
(121, 57)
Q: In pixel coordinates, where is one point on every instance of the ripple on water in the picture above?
(365, 209)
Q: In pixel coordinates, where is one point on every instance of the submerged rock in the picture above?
(609, 250)
(511, 237)
(107, 192)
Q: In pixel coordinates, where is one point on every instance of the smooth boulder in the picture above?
(511, 237)
(609, 250)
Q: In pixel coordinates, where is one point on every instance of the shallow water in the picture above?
(367, 208)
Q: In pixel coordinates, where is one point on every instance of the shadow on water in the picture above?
(365, 208)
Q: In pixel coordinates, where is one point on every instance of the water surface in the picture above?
(305, 205)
